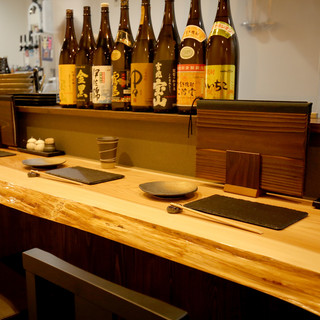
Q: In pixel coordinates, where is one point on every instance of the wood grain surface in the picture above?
(284, 264)
(280, 138)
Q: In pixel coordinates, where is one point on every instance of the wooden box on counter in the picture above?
(253, 146)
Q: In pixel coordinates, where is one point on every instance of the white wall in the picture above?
(13, 23)
(276, 63)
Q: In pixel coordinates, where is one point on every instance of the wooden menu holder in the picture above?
(253, 146)
(243, 173)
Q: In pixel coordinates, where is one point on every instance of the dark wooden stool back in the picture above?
(59, 290)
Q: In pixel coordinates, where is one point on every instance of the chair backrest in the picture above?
(59, 290)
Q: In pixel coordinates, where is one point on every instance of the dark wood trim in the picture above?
(202, 295)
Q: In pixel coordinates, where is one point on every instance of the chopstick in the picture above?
(217, 219)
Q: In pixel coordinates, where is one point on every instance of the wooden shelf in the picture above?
(107, 114)
(124, 115)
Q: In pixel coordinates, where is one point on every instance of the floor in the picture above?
(13, 301)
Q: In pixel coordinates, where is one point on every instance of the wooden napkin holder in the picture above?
(253, 146)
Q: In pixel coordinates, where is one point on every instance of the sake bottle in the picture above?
(121, 61)
(67, 66)
(191, 63)
(142, 63)
(102, 68)
(84, 57)
(165, 63)
(222, 56)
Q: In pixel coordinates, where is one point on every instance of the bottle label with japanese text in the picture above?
(164, 84)
(141, 84)
(115, 55)
(67, 84)
(223, 29)
(220, 82)
(123, 37)
(194, 32)
(101, 84)
(84, 83)
(121, 91)
(187, 52)
(190, 83)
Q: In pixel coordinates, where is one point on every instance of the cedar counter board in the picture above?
(116, 231)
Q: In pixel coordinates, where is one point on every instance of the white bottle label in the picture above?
(101, 84)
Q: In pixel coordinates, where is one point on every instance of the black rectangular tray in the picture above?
(42, 153)
(259, 214)
(85, 175)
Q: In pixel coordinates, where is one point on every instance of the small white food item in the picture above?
(39, 146)
(31, 143)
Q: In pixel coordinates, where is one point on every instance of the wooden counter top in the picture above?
(136, 116)
(285, 264)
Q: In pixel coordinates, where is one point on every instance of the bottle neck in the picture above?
(87, 39)
(169, 21)
(104, 25)
(223, 10)
(145, 13)
(86, 24)
(145, 27)
(69, 27)
(124, 16)
(70, 42)
(195, 16)
(168, 17)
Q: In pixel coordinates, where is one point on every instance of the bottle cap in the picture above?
(125, 3)
(104, 5)
(87, 10)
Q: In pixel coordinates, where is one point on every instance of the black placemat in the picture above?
(259, 214)
(6, 154)
(85, 175)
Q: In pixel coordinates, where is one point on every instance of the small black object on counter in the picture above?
(316, 203)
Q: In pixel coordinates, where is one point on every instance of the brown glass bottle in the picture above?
(191, 63)
(142, 63)
(67, 66)
(101, 63)
(121, 61)
(165, 63)
(222, 56)
(84, 62)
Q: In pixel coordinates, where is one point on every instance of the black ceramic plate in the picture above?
(43, 162)
(168, 188)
